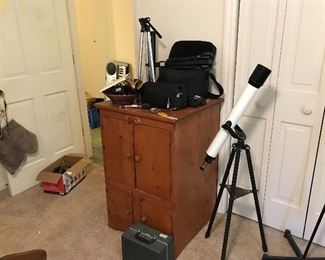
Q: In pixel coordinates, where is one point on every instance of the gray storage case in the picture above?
(141, 242)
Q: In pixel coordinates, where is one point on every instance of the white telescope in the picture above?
(256, 80)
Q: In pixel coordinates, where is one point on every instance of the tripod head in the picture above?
(146, 26)
(235, 132)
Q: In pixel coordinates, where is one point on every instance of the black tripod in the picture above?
(299, 255)
(236, 192)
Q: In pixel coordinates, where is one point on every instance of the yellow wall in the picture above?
(110, 24)
(124, 31)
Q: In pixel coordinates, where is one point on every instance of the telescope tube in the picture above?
(256, 80)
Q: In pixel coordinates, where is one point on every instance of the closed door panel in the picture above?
(152, 159)
(37, 75)
(118, 150)
(317, 199)
(260, 31)
(297, 116)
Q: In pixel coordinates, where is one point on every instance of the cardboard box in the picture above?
(62, 183)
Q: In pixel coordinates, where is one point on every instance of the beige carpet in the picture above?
(75, 227)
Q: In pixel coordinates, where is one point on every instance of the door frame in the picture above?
(73, 29)
(229, 54)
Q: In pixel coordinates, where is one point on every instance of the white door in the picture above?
(259, 37)
(317, 199)
(37, 75)
(297, 116)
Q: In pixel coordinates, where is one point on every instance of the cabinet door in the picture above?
(117, 141)
(152, 159)
(119, 206)
(152, 212)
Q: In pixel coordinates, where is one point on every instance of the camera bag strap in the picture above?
(218, 85)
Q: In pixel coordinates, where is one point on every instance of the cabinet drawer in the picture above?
(153, 212)
(120, 207)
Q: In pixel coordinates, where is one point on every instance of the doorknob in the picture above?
(306, 110)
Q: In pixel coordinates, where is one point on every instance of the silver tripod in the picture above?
(147, 39)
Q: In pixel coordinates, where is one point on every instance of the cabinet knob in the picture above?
(127, 212)
(129, 193)
(143, 219)
(137, 158)
(128, 155)
(306, 110)
(129, 119)
(137, 121)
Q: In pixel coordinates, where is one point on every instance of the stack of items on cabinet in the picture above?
(184, 77)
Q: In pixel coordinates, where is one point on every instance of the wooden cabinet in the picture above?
(152, 168)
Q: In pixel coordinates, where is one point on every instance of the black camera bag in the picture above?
(189, 63)
(196, 81)
(164, 95)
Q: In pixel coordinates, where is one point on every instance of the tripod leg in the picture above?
(231, 203)
(222, 187)
(140, 56)
(151, 75)
(257, 205)
(314, 231)
(292, 242)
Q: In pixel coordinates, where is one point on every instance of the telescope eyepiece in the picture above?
(207, 160)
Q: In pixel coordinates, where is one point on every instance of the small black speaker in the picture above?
(111, 68)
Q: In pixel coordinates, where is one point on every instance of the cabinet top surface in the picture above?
(174, 115)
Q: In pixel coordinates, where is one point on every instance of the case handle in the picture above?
(145, 237)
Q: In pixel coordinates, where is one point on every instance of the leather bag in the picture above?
(15, 140)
